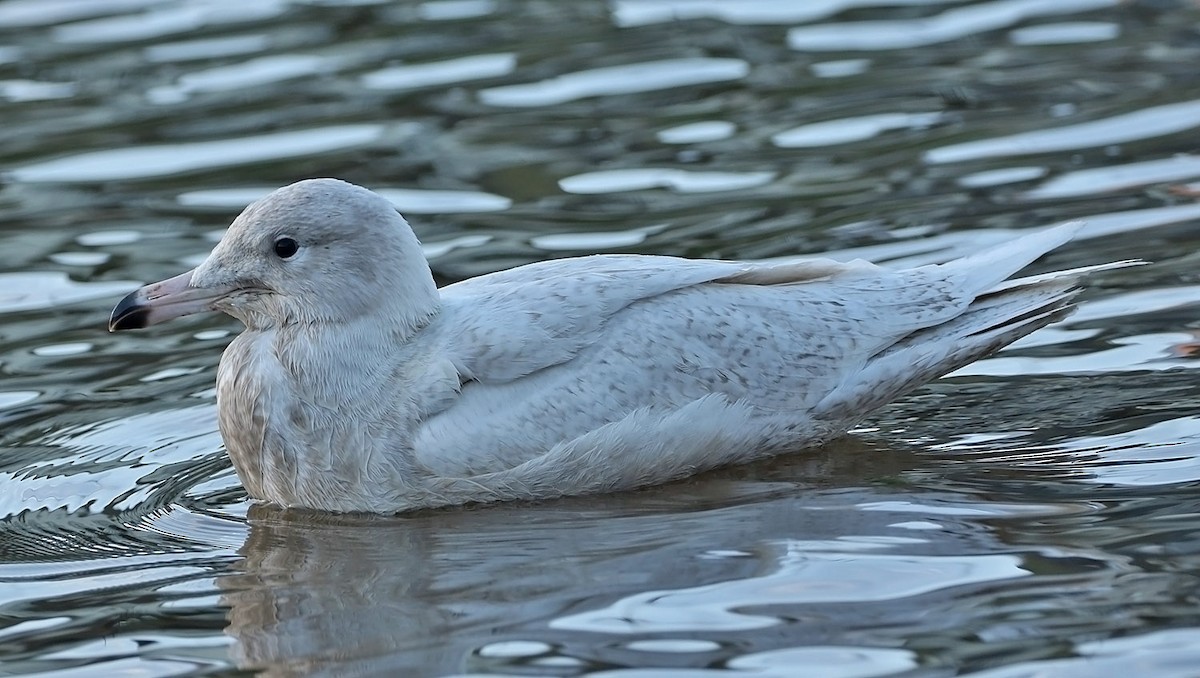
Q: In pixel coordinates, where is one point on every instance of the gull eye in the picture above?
(286, 248)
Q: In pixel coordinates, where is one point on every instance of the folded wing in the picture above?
(551, 352)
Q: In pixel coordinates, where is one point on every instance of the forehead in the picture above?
(308, 214)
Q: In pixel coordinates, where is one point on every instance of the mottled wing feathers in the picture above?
(562, 349)
(513, 323)
(510, 324)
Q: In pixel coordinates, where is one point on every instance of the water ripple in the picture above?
(801, 577)
(1001, 176)
(455, 10)
(835, 662)
(697, 132)
(253, 73)
(31, 13)
(462, 69)
(847, 130)
(95, 467)
(1099, 180)
(1172, 653)
(643, 12)
(950, 25)
(1138, 353)
(34, 90)
(647, 76)
(683, 181)
(147, 162)
(169, 20)
(1067, 33)
(1146, 123)
(206, 48)
(51, 289)
(15, 398)
(406, 200)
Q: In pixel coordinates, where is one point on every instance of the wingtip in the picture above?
(989, 268)
(1059, 234)
(1070, 228)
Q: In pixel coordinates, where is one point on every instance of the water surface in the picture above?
(1036, 513)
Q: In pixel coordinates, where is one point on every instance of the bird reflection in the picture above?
(321, 594)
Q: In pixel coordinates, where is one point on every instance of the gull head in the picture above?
(320, 251)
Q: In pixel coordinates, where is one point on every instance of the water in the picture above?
(1037, 513)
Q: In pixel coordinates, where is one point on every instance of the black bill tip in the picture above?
(131, 313)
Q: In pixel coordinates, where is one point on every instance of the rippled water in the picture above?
(1037, 513)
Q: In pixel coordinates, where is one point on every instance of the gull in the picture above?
(359, 386)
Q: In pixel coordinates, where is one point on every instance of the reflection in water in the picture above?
(451, 591)
(801, 577)
(512, 588)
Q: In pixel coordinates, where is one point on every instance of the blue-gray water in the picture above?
(1037, 514)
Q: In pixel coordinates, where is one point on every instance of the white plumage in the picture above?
(358, 386)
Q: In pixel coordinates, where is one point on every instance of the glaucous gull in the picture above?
(358, 385)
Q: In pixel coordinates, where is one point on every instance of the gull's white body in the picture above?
(590, 374)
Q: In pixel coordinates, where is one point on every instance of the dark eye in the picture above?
(286, 248)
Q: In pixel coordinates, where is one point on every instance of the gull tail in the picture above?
(1002, 312)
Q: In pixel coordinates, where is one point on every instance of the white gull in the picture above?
(360, 386)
